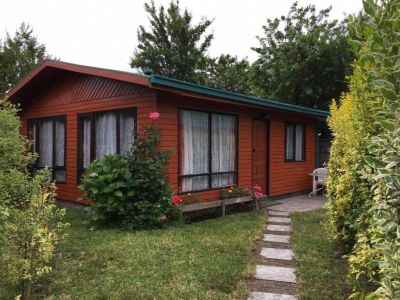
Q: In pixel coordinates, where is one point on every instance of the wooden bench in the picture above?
(219, 203)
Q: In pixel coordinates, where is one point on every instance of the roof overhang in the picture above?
(50, 70)
(161, 81)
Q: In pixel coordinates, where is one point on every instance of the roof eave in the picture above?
(156, 80)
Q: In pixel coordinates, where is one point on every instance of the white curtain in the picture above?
(289, 141)
(60, 150)
(45, 143)
(87, 134)
(299, 142)
(32, 135)
(195, 147)
(223, 149)
(106, 139)
(60, 143)
(126, 131)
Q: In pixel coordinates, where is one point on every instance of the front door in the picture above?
(259, 155)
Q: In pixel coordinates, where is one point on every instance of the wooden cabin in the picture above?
(75, 114)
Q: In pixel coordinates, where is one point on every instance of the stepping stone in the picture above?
(277, 253)
(277, 213)
(279, 219)
(283, 228)
(276, 238)
(270, 296)
(275, 273)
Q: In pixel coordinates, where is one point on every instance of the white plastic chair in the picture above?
(319, 180)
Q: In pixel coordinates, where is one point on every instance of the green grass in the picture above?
(321, 273)
(204, 260)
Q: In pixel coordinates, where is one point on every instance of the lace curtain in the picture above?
(223, 149)
(106, 138)
(299, 143)
(59, 154)
(45, 143)
(126, 131)
(294, 142)
(86, 141)
(195, 151)
(195, 147)
(289, 141)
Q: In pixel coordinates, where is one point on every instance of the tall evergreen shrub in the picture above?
(364, 180)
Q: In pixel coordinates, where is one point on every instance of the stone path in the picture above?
(275, 276)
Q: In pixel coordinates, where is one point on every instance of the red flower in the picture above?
(154, 115)
(163, 218)
(176, 200)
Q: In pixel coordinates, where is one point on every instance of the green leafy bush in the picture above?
(30, 222)
(364, 178)
(131, 189)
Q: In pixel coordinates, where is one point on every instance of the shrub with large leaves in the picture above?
(131, 189)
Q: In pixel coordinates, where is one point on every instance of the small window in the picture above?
(295, 142)
(207, 150)
(103, 133)
(48, 141)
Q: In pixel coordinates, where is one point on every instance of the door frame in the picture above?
(267, 152)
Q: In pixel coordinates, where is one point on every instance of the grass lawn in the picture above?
(204, 260)
(321, 273)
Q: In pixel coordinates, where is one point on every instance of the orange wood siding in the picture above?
(285, 177)
(290, 177)
(74, 94)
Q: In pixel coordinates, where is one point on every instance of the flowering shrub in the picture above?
(234, 192)
(132, 189)
(240, 191)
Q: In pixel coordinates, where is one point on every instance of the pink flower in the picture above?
(258, 195)
(257, 187)
(154, 115)
(163, 218)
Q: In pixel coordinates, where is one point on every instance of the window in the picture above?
(48, 141)
(295, 142)
(102, 133)
(208, 151)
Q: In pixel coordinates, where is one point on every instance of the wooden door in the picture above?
(259, 155)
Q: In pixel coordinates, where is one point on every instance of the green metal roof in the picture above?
(194, 88)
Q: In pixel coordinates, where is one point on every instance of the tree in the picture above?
(19, 54)
(231, 74)
(303, 58)
(174, 46)
(30, 222)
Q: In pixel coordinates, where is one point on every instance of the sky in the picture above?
(102, 33)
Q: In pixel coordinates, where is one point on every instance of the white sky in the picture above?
(102, 33)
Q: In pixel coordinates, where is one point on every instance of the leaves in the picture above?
(364, 177)
(19, 54)
(303, 58)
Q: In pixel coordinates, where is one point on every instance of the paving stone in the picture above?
(270, 296)
(279, 219)
(277, 213)
(283, 228)
(276, 238)
(277, 253)
(275, 273)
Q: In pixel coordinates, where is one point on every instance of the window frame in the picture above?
(54, 168)
(209, 174)
(92, 116)
(303, 159)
